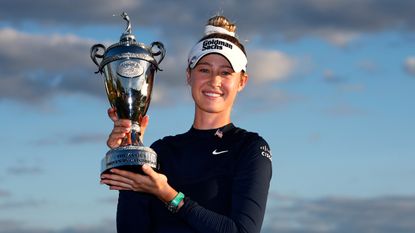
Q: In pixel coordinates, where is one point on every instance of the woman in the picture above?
(218, 174)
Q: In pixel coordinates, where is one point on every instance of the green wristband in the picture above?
(173, 205)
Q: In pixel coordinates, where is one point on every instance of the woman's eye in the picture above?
(203, 70)
(226, 73)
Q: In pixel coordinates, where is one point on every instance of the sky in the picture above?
(331, 88)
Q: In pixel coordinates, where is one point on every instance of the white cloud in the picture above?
(25, 170)
(264, 98)
(40, 66)
(266, 66)
(34, 68)
(345, 109)
(410, 65)
(4, 193)
(30, 203)
(368, 66)
(14, 226)
(290, 214)
(352, 87)
(339, 38)
(341, 215)
(331, 77)
(268, 19)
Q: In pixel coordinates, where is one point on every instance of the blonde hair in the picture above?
(223, 22)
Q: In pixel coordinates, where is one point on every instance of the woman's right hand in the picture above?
(121, 128)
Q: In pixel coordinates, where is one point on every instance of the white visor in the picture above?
(229, 50)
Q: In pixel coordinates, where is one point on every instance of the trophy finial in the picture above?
(127, 18)
(127, 35)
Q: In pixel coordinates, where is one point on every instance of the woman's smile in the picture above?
(212, 94)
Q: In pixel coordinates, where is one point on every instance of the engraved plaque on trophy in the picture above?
(128, 69)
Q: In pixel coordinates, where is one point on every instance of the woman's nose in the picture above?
(216, 80)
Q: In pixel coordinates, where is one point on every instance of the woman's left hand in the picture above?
(152, 182)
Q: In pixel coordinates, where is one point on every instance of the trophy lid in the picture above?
(128, 48)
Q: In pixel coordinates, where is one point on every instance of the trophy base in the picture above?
(129, 158)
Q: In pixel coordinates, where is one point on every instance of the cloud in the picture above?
(368, 66)
(36, 67)
(84, 138)
(325, 18)
(76, 12)
(342, 215)
(265, 71)
(264, 98)
(352, 87)
(25, 170)
(107, 226)
(344, 109)
(331, 77)
(290, 214)
(314, 137)
(31, 203)
(339, 38)
(343, 85)
(39, 67)
(13, 226)
(410, 65)
(64, 68)
(269, 66)
(4, 193)
(87, 138)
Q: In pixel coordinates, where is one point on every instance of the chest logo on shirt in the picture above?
(266, 152)
(215, 152)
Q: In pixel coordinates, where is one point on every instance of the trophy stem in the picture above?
(135, 134)
(133, 137)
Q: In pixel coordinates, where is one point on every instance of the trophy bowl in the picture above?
(128, 69)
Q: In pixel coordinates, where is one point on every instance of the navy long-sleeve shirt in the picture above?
(225, 175)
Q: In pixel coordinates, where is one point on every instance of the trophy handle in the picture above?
(95, 55)
(161, 52)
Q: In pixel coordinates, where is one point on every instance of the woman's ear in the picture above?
(243, 81)
(188, 76)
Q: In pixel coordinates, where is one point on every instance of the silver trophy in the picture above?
(129, 67)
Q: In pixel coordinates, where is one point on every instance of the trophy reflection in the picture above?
(129, 68)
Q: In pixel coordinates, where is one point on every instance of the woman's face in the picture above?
(214, 84)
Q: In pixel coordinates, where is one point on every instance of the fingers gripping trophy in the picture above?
(128, 69)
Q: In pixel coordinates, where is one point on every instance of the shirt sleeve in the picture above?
(250, 187)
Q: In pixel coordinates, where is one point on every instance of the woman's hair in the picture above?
(220, 38)
(223, 22)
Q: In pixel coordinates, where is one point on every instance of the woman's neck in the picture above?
(206, 120)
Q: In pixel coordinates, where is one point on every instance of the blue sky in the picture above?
(331, 89)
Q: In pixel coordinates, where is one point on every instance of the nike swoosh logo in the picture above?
(219, 152)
